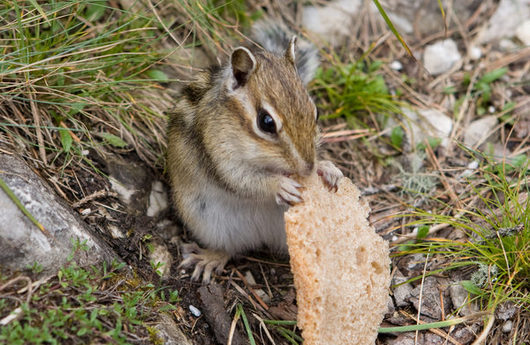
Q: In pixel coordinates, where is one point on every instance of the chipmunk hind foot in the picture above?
(205, 261)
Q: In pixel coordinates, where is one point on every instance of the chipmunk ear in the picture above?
(243, 64)
(289, 52)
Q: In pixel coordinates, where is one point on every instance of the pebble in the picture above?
(195, 311)
(158, 199)
(523, 33)
(507, 326)
(508, 17)
(439, 57)
(396, 65)
(475, 132)
(474, 52)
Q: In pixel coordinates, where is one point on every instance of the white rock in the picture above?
(162, 258)
(194, 310)
(428, 123)
(331, 22)
(479, 130)
(503, 23)
(507, 45)
(523, 32)
(396, 65)
(158, 199)
(474, 52)
(507, 327)
(441, 56)
(124, 192)
(115, 232)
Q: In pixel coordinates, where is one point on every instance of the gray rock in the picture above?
(441, 56)
(523, 32)
(507, 326)
(169, 332)
(477, 131)
(506, 19)
(131, 181)
(403, 339)
(402, 292)
(460, 299)
(331, 22)
(505, 311)
(430, 303)
(22, 243)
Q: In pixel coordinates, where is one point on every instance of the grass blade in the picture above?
(393, 28)
(17, 202)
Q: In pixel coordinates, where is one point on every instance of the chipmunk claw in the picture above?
(289, 193)
(330, 174)
(205, 261)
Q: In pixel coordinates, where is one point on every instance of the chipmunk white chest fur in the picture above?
(236, 139)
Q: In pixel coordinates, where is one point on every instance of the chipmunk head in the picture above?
(274, 110)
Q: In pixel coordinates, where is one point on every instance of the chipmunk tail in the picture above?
(275, 36)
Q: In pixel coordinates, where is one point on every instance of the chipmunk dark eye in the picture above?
(266, 122)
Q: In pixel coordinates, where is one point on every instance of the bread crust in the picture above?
(340, 266)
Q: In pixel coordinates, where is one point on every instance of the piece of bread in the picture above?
(341, 267)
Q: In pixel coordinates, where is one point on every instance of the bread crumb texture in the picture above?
(340, 266)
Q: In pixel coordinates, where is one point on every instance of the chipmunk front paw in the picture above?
(289, 193)
(330, 174)
(205, 261)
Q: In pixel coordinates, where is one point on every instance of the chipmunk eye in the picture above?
(266, 122)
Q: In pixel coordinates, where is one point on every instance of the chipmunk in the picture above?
(237, 138)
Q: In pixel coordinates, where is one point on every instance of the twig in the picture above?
(256, 296)
(96, 195)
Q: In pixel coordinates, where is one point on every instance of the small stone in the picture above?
(505, 20)
(331, 22)
(441, 56)
(401, 292)
(471, 168)
(158, 199)
(396, 65)
(194, 310)
(460, 299)
(507, 45)
(491, 109)
(505, 311)
(430, 303)
(115, 232)
(474, 52)
(507, 326)
(523, 32)
(479, 130)
(162, 259)
(168, 331)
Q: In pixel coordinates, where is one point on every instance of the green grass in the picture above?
(356, 91)
(86, 75)
(86, 305)
(498, 229)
